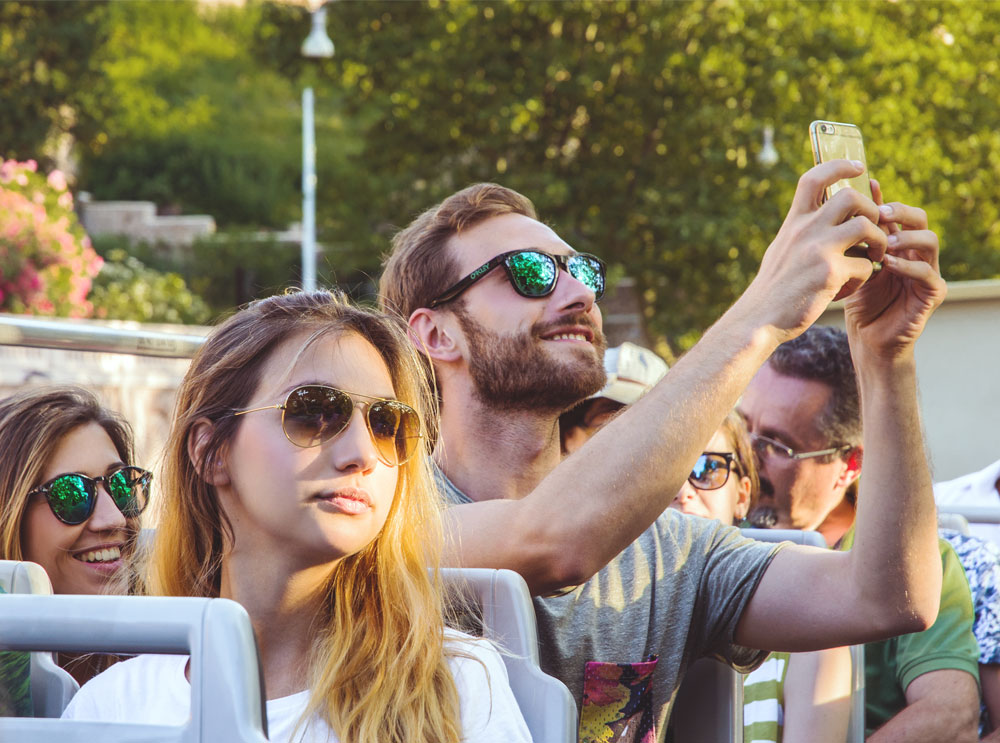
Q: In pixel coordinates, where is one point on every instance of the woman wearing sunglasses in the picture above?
(70, 498)
(296, 483)
(791, 697)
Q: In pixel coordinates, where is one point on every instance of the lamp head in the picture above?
(318, 45)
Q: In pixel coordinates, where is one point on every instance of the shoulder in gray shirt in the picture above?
(622, 641)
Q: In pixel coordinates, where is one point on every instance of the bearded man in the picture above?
(628, 593)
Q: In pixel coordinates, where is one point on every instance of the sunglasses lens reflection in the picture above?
(71, 498)
(534, 273)
(316, 414)
(395, 429)
(130, 490)
(710, 472)
(589, 272)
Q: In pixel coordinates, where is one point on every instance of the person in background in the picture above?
(981, 561)
(791, 697)
(804, 414)
(979, 490)
(71, 496)
(632, 371)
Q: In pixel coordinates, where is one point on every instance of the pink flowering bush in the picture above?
(46, 260)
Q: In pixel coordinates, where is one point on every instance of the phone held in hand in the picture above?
(832, 140)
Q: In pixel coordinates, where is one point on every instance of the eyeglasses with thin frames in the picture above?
(765, 446)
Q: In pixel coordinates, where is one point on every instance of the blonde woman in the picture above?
(70, 497)
(296, 483)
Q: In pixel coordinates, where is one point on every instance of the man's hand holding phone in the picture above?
(888, 313)
(806, 265)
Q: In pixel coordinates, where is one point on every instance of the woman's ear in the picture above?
(213, 472)
(742, 499)
(435, 333)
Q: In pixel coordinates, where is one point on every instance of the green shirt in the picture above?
(891, 665)
(15, 682)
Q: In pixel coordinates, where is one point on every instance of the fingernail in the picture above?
(885, 209)
(892, 240)
(858, 164)
(890, 259)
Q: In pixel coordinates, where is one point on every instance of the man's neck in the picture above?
(837, 522)
(490, 454)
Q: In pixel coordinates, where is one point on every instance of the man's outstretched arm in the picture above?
(604, 496)
(890, 582)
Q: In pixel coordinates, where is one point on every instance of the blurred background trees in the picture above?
(635, 127)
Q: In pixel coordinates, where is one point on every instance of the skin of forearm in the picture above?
(656, 442)
(895, 556)
(927, 721)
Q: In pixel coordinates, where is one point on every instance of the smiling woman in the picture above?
(70, 497)
(297, 483)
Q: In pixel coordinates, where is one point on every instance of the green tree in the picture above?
(635, 126)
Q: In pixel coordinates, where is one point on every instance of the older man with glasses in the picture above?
(803, 411)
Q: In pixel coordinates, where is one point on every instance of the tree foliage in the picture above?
(634, 126)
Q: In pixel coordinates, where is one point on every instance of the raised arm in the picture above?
(890, 582)
(606, 494)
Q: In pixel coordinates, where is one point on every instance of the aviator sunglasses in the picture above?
(73, 497)
(314, 413)
(533, 273)
(712, 469)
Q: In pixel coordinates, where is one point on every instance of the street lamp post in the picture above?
(316, 46)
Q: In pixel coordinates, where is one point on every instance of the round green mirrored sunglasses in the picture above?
(73, 497)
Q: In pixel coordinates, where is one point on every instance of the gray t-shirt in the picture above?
(622, 641)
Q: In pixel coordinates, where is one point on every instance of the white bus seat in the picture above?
(811, 538)
(856, 725)
(708, 707)
(51, 686)
(227, 700)
(954, 521)
(508, 619)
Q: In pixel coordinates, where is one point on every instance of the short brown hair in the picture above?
(418, 268)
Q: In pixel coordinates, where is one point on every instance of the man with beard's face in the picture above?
(628, 592)
(515, 372)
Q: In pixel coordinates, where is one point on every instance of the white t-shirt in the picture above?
(153, 690)
(976, 489)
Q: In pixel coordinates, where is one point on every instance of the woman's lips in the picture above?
(352, 501)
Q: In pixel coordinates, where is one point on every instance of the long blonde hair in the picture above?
(32, 423)
(378, 668)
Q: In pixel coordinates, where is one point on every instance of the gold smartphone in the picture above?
(832, 140)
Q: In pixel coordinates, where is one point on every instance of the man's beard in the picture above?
(514, 372)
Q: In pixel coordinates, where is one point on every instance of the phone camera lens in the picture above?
(825, 128)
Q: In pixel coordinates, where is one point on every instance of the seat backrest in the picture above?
(856, 725)
(954, 521)
(226, 690)
(508, 619)
(708, 707)
(51, 686)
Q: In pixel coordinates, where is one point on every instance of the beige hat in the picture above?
(632, 371)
